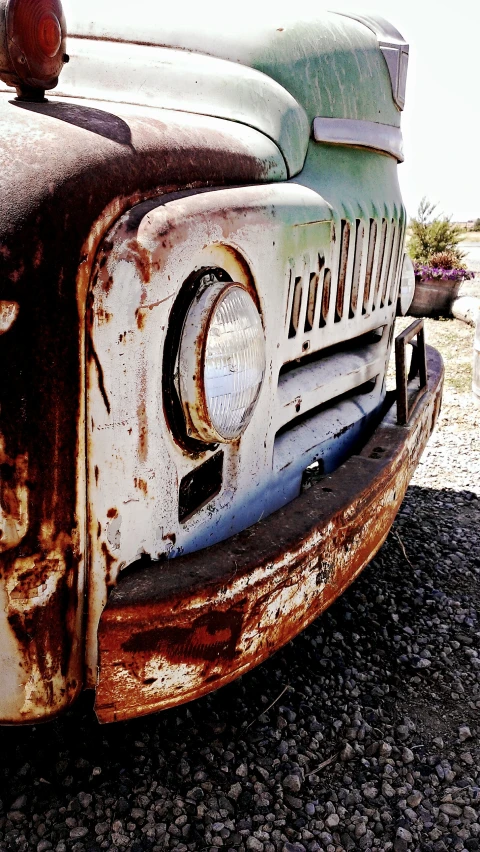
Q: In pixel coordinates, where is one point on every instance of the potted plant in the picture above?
(438, 262)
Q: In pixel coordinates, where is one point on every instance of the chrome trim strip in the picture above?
(362, 134)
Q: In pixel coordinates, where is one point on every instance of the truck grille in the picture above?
(367, 255)
(338, 309)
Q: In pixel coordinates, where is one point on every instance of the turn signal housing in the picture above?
(32, 45)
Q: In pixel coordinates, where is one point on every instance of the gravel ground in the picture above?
(362, 733)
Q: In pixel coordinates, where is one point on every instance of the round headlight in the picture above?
(221, 362)
(407, 286)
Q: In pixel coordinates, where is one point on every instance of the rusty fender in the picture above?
(174, 631)
(68, 171)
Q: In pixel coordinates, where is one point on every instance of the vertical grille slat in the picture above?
(357, 266)
(381, 254)
(312, 297)
(342, 270)
(326, 291)
(372, 241)
(388, 265)
(296, 305)
(313, 289)
(396, 266)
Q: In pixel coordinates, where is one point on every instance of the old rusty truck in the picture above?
(201, 261)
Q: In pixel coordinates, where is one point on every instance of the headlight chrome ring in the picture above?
(221, 362)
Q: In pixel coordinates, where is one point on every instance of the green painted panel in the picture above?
(356, 182)
(333, 67)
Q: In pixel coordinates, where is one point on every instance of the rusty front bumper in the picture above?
(174, 631)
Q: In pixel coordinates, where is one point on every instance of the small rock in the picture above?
(464, 733)
(292, 783)
(79, 831)
(242, 770)
(235, 791)
(403, 840)
(370, 792)
(347, 753)
(360, 829)
(387, 790)
(385, 750)
(414, 799)
(451, 810)
(85, 799)
(470, 813)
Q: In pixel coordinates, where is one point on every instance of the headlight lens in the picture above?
(407, 286)
(221, 362)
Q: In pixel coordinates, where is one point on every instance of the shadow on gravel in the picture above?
(380, 706)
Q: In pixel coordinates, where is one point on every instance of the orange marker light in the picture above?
(49, 34)
(35, 33)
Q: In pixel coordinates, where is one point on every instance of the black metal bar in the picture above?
(407, 401)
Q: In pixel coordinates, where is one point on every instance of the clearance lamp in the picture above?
(32, 46)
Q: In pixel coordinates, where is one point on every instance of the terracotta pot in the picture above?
(434, 297)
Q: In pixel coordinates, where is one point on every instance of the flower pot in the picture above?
(434, 297)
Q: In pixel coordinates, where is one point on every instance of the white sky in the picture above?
(441, 120)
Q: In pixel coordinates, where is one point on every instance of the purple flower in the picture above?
(437, 273)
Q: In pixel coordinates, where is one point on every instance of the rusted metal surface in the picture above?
(68, 171)
(407, 401)
(170, 636)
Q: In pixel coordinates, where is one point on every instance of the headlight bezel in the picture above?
(190, 369)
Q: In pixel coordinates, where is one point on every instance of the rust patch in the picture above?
(142, 419)
(101, 382)
(140, 317)
(13, 498)
(141, 485)
(41, 612)
(110, 561)
(102, 316)
(211, 637)
(139, 255)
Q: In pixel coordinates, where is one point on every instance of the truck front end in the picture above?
(199, 292)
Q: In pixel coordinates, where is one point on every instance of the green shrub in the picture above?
(430, 235)
(476, 225)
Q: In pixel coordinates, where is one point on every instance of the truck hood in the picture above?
(275, 73)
